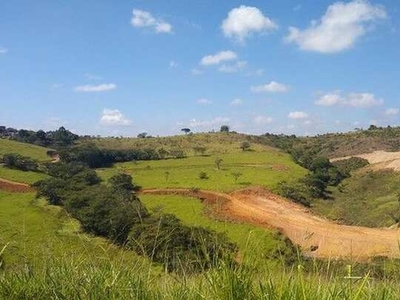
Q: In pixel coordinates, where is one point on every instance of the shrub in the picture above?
(19, 162)
(203, 175)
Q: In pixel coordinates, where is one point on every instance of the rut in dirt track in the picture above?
(317, 236)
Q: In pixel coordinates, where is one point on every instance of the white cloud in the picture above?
(3, 50)
(88, 88)
(392, 111)
(272, 87)
(263, 120)
(236, 102)
(361, 100)
(339, 28)
(245, 20)
(214, 122)
(114, 117)
(173, 64)
(143, 18)
(233, 68)
(89, 76)
(218, 58)
(203, 101)
(297, 115)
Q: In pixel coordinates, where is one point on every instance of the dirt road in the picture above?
(317, 236)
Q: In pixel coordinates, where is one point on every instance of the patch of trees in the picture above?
(56, 139)
(19, 162)
(115, 212)
(347, 166)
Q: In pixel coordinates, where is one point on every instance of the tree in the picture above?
(218, 162)
(203, 175)
(224, 128)
(166, 173)
(123, 181)
(142, 135)
(236, 175)
(185, 130)
(245, 146)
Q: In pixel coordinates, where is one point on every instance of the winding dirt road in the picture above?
(317, 236)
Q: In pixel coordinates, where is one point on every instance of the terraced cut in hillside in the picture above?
(316, 236)
(378, 159)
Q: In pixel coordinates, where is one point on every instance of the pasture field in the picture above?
(28, 177)
(35, 152)
(35, 233)
(368, 198)
(256, 244)
(266, 168)
(214, 143)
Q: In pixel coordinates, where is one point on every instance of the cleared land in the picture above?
(318, 237)
(35, 152)
(265, 168)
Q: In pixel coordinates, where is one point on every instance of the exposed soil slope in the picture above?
(12, 186)
(317, 236)
(379, 159)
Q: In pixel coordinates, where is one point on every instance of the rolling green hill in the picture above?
(35, 152)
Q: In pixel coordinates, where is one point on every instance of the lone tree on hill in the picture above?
(224, 128)
(236, 175)
(218, 162)
(245, 146)
(142, 135)
(185, 130)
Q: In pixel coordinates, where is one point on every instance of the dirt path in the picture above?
(12, 186)
(328, 240)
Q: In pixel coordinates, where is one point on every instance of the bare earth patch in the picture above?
(378, 159)
(317, 236)
(16, 187)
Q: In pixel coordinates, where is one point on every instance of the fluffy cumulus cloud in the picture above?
(272, 87)
(144, 19)
(236, 102)
(204, 101)
(89, 88)
(392, 112)
(114, 117)
(218, 58)
(361, 100)
(244, 21)
(339, 28)
(263, 120)
(297, 115)
(3, 50)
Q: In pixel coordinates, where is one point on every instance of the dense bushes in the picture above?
(16, 161)
(114, 212)
(164, 239)
(347, 166)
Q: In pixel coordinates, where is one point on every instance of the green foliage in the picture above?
(298, 192)
(180, 248)
(224, 128)
(123, 181)
(35, 152)
(218, 162)
(352, 164)
(19, 162)
(236, 176)
(203, 175)
(245, 146)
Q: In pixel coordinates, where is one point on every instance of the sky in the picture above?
(119, 68)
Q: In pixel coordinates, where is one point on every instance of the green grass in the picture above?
(367, 199)
(21, 176)
(215, 143)
(35, 233)
(266, 168)
(36, 152)
(251, 240)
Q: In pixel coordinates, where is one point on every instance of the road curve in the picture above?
(317, 236)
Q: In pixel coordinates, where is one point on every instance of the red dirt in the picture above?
(328, 240)
(16, 187)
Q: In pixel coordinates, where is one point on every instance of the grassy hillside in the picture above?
(36, 233)
(36, 152)
(214, 143)
(21, 176)
(265, 168)
(252, 241)
(367, 198)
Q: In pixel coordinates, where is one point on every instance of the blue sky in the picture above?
(124, 67)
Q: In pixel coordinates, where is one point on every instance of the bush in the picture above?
(347, 166)
(297, 192)
(178, 247)
(19, 162)
(203, 175)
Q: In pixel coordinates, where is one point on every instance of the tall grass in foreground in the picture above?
(74, 279)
